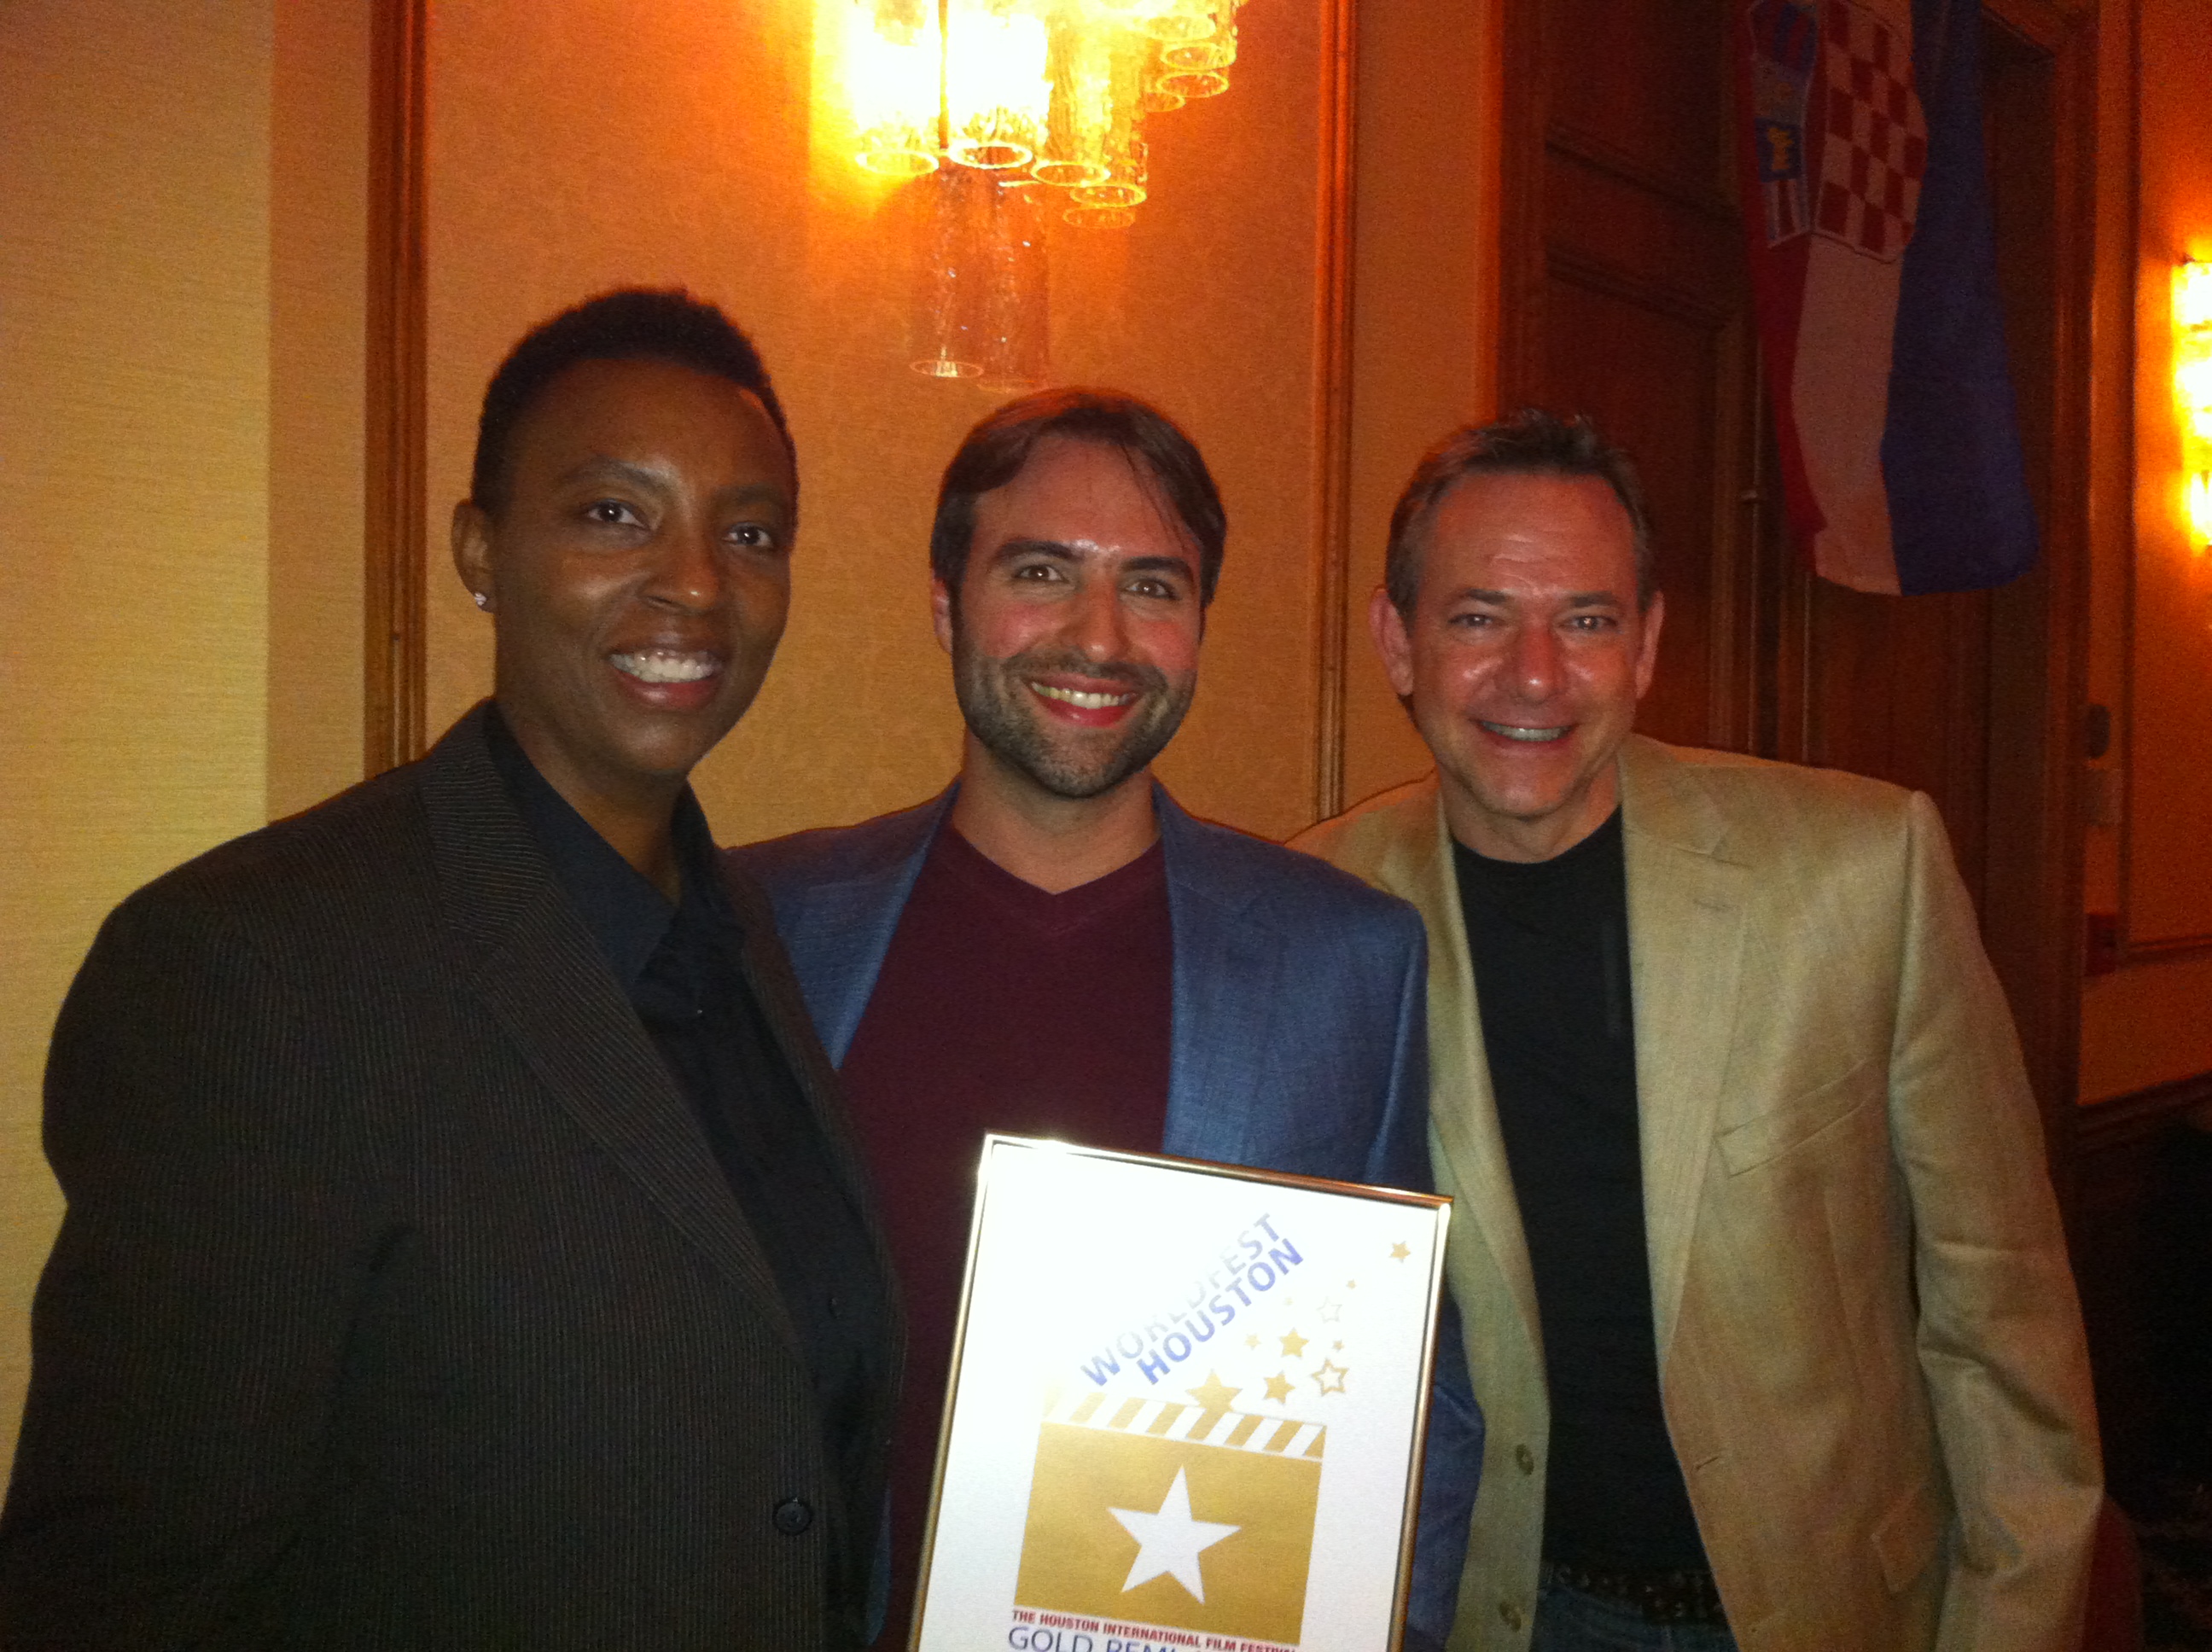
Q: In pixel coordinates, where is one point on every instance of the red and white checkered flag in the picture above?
(1874, 139)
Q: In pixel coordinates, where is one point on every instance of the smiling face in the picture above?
(1075, 638)
(1524, 657)
(638, 575)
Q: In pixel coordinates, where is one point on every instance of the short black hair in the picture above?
(627, 324)
(1532, 442)
(994, 451)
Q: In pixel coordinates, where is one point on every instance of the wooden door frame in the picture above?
(2031, 919)
(1332, 393)
(393, 657)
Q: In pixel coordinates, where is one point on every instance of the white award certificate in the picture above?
(1186, 1409)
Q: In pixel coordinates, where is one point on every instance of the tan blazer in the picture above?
(1870, 1354)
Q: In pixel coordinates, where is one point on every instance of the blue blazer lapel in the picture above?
(1225, 993)
(837, 934)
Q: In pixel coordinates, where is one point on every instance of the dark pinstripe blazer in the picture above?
(400, 1303)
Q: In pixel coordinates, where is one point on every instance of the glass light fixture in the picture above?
(1046, 98)
(1217, 51)
(1057, 89)
(2193, 296)
(1170, 20)
(997, 95)
(891, 57)
(982, 294)
(1188, 83)
(1089, 66)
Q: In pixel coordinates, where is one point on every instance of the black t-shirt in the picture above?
(1550, 944)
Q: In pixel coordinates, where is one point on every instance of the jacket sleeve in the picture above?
(1451, 1458)
(1451, 1470)
(2000, 1336)
(188, 1334)
(1399, 1157)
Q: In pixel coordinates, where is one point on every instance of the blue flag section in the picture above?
(1960, 515)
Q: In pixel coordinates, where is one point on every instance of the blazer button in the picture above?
(793, 1515)
(1509, 1614)
(1526, 1458)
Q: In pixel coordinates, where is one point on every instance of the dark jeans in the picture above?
(1568, 1620)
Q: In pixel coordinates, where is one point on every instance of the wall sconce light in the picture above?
(1022, 108)
(2192, 393)
(1053, 91)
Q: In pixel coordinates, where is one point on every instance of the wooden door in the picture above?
(1624, 298)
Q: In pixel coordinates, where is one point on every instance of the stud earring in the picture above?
(483, 601)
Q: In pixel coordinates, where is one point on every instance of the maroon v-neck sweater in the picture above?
(1000, 1007)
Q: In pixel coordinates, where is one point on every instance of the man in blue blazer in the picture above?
(1053, 947)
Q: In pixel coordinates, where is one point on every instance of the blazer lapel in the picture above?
(1685, 929)
(1463, 1112)
(1225, 993)
(534, 966)
(840, 936)
(768, 972)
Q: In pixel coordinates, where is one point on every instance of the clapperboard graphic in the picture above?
(1179, 1516)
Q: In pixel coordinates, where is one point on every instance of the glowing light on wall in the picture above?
(998, 93)
(998, 115)
(1054, 92)
(2200, 509)
(893, 86)
(2193, 296)
(2192, 393)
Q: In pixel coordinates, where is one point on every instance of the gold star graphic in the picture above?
(1278, 1388)
(1213, 1394)
(1293, 1346)
(1337, 1348)
(1330, 1377)
(1399, 1253)
(1252, 1341)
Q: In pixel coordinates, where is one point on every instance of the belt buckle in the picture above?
(1669, 1597)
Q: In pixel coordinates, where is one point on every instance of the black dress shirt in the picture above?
(681, 965)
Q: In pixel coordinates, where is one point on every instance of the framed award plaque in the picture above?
(1186, 1409)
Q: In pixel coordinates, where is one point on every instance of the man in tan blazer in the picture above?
(1764, 1287)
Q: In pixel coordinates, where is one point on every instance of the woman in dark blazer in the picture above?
(465, 1246)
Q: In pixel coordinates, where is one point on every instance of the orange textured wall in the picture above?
(2151, 1021)
(134, 378)
(318, 301)
(601, 143)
